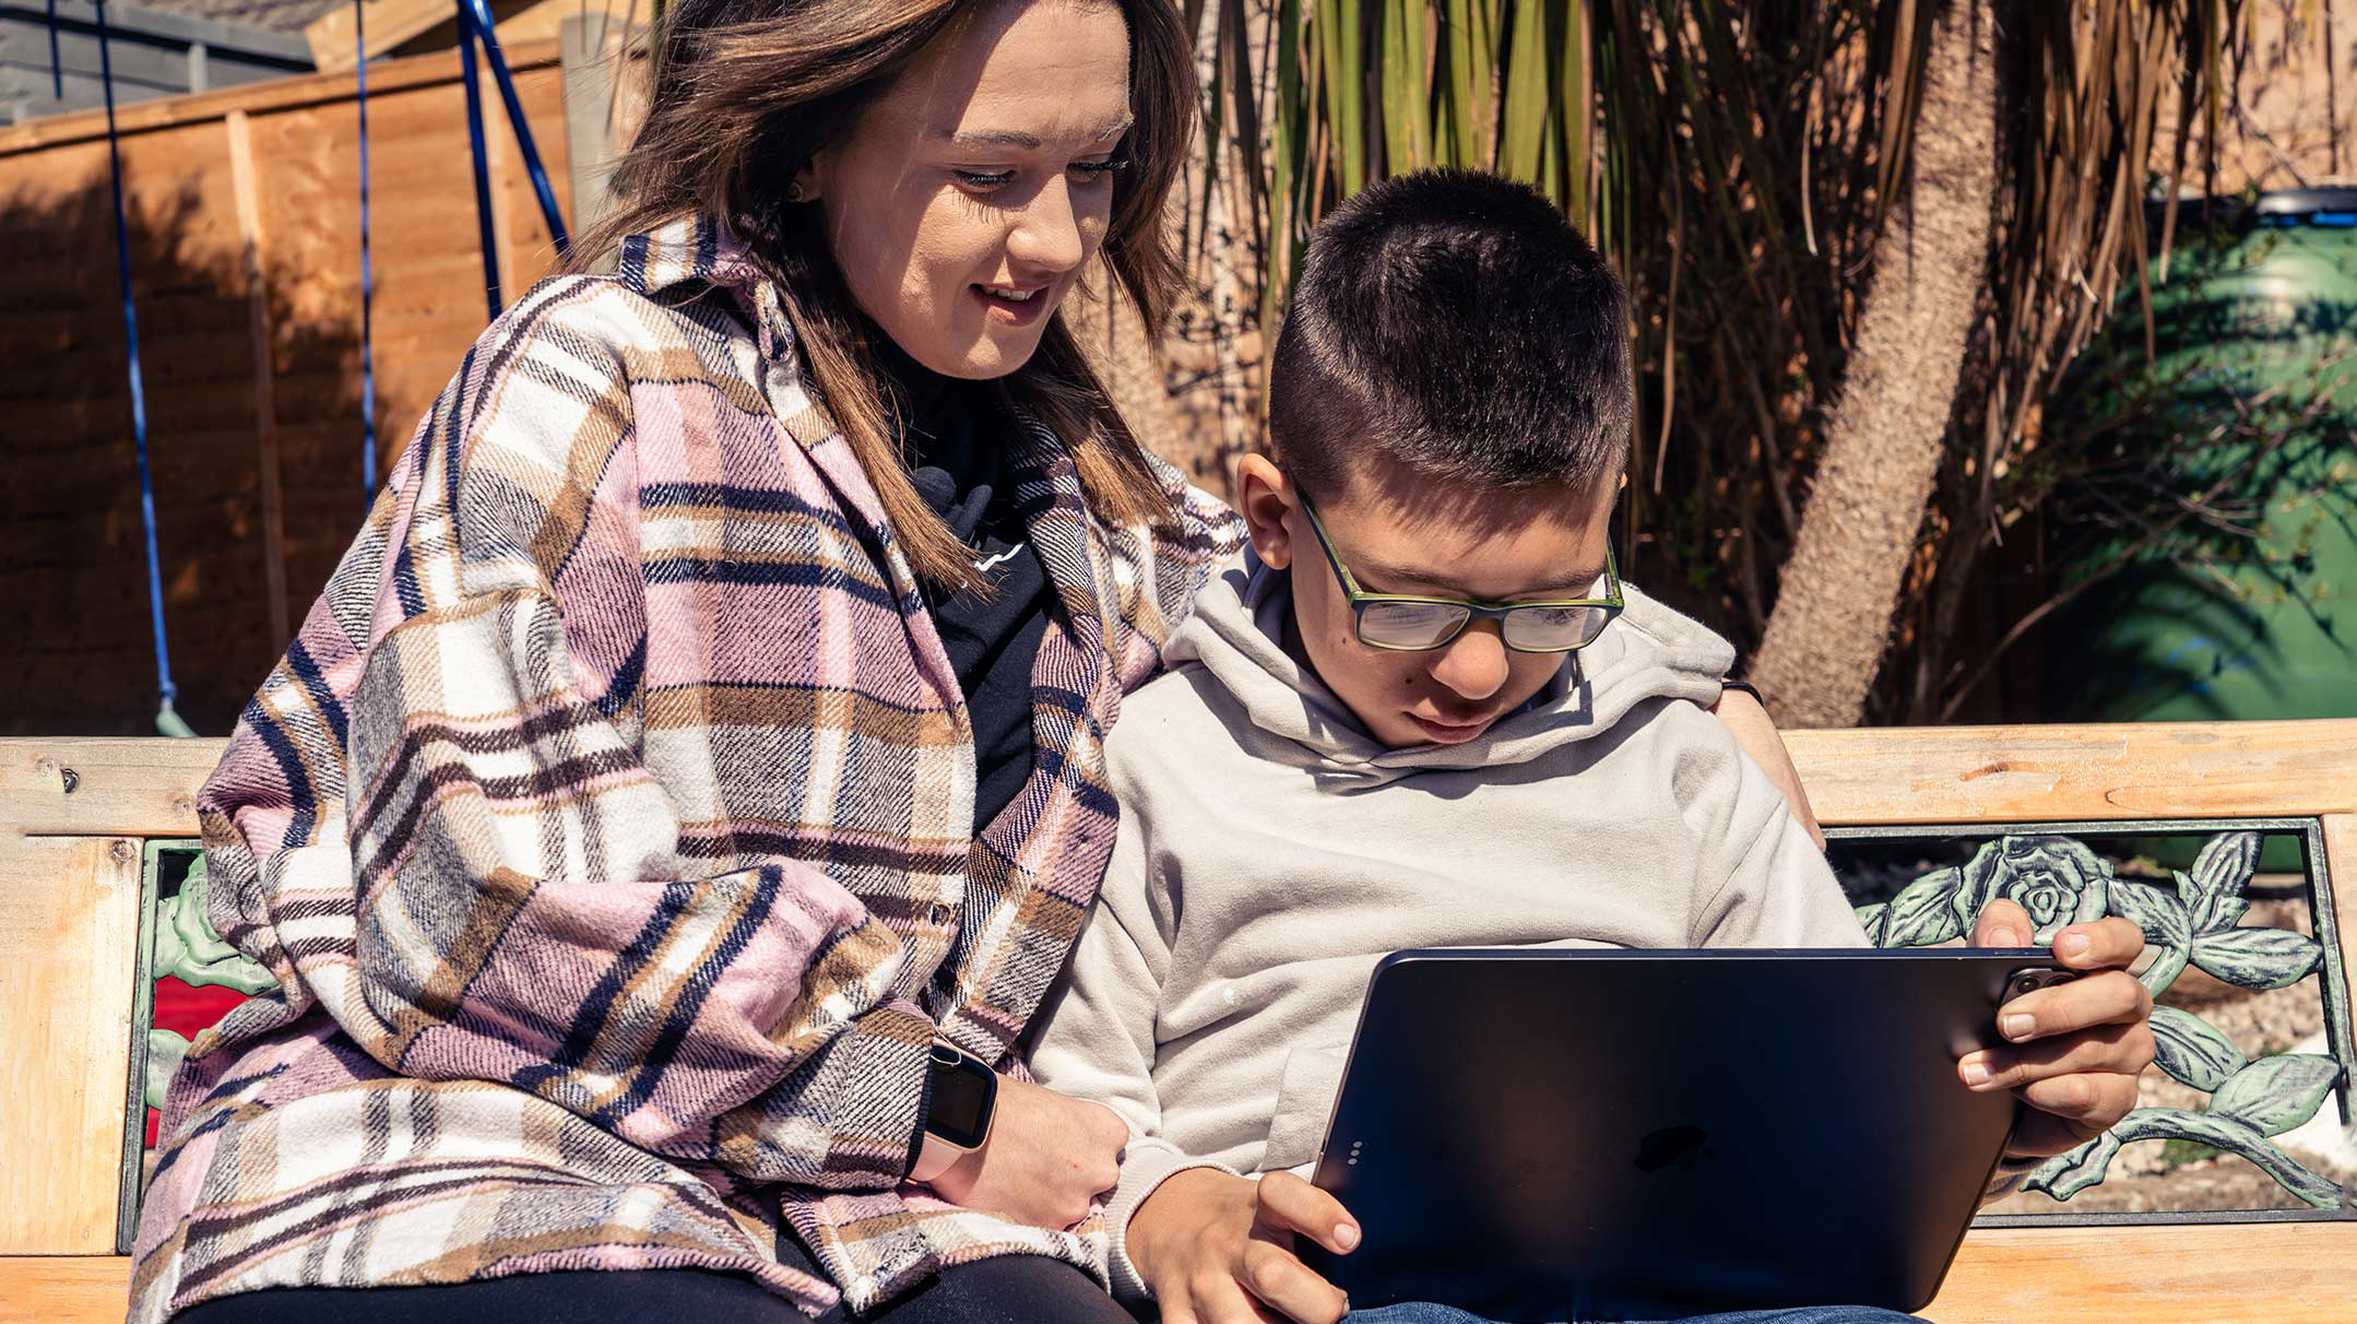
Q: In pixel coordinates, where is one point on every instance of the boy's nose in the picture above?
(1473, 665)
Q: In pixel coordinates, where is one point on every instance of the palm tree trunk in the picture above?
(1826, 636)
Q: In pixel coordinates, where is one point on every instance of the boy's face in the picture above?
(1402, 534)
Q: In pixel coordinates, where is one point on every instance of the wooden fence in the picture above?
(243, 210)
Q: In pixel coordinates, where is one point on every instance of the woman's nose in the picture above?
(1047, 238)
(1473, 665)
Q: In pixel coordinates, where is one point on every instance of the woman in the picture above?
(674, 780)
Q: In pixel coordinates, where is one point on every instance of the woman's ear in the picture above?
(804, 187)
(1264, 497)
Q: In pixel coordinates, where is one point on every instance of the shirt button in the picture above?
(941, 913)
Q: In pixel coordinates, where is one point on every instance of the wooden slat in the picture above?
(390, 22)
(58, 1290)
(2247, 1273)
(2271, 1273)
(250, 228)
(258, 98)
(122, 787)
(69, 924)
(2126, 771)
(395, 24)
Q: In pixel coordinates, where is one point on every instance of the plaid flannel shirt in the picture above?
(608, 828)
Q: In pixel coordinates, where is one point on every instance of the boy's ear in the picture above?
(1264, 497)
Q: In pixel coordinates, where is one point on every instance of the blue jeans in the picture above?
(1425, 1312)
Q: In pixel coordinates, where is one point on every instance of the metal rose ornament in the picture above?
(2057, 880)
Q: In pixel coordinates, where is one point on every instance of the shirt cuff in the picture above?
(1146, 1165)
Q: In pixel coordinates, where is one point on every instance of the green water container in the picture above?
(2255, 331)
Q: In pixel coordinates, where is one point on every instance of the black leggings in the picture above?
(1010, 1289)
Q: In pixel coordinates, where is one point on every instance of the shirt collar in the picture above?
(696, 249)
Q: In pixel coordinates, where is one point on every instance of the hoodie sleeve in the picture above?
(1099, 1038)
(1773, 886)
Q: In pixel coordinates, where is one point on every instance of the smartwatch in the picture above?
(962, 1103)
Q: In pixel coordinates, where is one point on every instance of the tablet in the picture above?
(1541, 1135)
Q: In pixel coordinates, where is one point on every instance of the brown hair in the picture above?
(745, 92)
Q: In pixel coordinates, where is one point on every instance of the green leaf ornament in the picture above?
(2167, 925)
(2275, 1094)
(2220, 873)
(2257, 958)
(1924, 912)
(2191, 1051)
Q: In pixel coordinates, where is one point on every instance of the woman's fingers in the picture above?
(1289, 1204)
(2113, 997)
(2123, 1049)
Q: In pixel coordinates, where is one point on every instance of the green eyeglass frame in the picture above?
(1605, 609)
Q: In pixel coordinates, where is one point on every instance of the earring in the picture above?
(796, 193)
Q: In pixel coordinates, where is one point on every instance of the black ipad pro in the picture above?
(1552, 1135)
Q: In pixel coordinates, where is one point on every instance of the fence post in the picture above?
(251, 238)
(588, 70)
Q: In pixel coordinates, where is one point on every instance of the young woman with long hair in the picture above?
(699, 752)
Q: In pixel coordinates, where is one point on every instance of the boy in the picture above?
(1428, 713)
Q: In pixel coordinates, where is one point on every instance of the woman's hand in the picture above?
(1752, 728)
(1218, 1249)
(2077, 1048)
(1048, 1158)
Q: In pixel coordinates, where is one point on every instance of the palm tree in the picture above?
(1863, 240)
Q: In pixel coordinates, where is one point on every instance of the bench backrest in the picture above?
(88, 828)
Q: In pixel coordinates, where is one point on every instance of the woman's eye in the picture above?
(1096, 170)
(984, 179)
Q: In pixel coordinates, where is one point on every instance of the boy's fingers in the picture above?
(1291, 1288)
(2082, 1105)
(2038, 1132)
(1289, 1204)
(2106, 944)
(2113, 997)
(2120, 1049)
(2003, 924)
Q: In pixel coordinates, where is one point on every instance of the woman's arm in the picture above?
(434, 820)
(1739, 710)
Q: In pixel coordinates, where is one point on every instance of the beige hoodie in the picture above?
(1271, 852)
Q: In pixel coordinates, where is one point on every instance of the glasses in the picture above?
(1406, 623)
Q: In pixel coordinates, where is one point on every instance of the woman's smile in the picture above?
(1015, 305)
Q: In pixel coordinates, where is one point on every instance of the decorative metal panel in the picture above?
(2235, 1098)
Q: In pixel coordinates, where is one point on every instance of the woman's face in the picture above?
(967, 200)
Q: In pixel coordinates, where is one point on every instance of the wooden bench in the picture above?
(92, 830)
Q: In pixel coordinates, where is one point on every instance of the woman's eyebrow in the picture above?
(1025, 141)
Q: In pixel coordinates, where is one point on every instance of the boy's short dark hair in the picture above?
(1455, 324)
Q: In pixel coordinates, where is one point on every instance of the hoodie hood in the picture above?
(1234, 640)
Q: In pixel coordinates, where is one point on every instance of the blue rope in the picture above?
(57, 69)
(474, 133)
(367, 271)
(167, 721)
(477, 13)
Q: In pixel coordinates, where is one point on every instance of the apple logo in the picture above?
(1682, 1146)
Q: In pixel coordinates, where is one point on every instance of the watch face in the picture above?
(962, 1094)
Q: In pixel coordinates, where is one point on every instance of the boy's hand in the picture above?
(1218, 1249)
(1048, 1158)
(2077, 1047)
